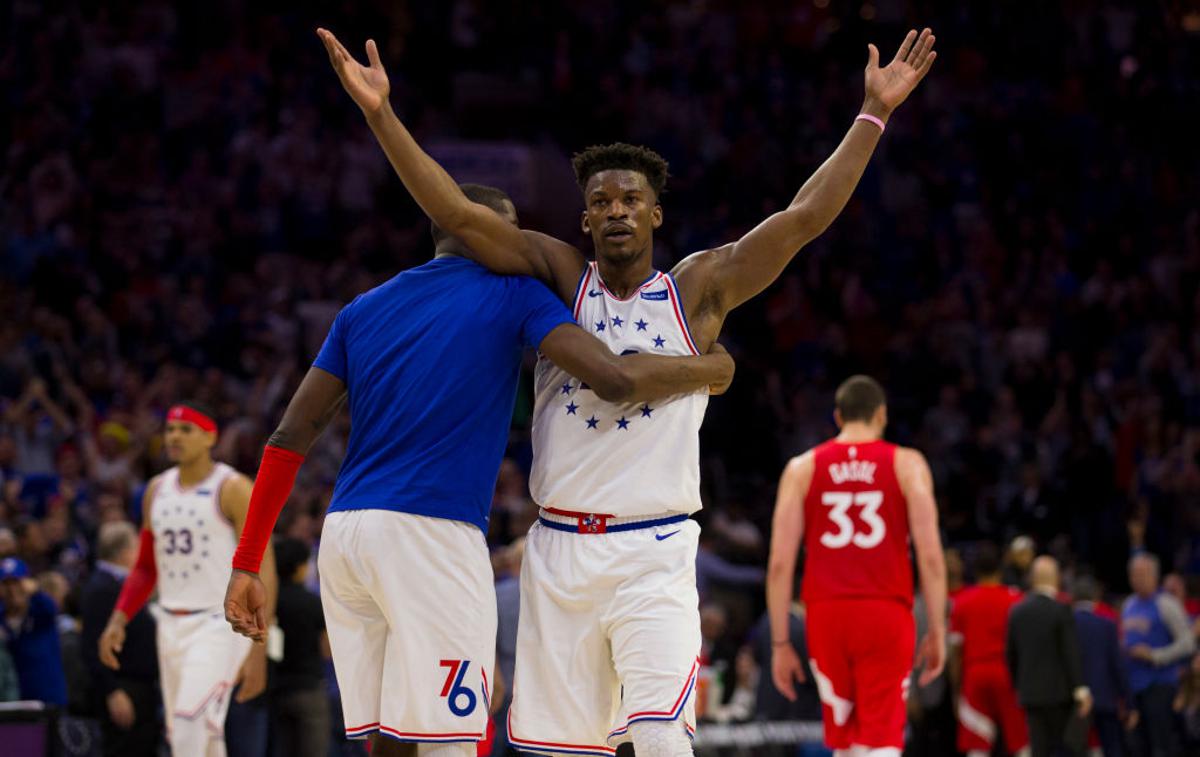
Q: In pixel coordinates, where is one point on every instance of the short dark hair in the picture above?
(1086, 588)
(290, 554)
(620, 156)
(986, 561)
(492, 197)
(858, 398)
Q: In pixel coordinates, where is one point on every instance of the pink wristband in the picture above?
(873, 119)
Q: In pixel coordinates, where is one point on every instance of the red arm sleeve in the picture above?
(272, 487)
(140, 582)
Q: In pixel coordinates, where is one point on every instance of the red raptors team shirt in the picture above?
(980, 616)
(856, 525)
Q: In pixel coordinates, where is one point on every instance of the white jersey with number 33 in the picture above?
(621, 459)
(193, 541)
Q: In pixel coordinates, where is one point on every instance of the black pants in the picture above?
(1156, 729)
(1047, 726)
(301, 722)
(1110, 732)
(141, 740)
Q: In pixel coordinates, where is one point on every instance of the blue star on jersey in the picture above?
(569, 389)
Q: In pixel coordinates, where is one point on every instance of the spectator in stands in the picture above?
(1103, 667)
(1157, 644)
(300, 706)
(127, 698)
(1017, 561)
(30, 630)
(769, 703)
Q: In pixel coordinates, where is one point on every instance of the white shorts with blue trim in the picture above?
(410, 608)
(609, 633)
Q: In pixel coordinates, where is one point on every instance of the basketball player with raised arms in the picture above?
(610, 631)
(856, 502)
(193, 515)
(429, 362)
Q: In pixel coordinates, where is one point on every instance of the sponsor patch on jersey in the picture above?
(660, 295)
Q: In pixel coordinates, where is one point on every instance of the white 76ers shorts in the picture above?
(609, 634)
(410, 608)
(199, 658)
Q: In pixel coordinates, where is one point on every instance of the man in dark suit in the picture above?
(128, 697)
(1043, 659)
(1103, 669)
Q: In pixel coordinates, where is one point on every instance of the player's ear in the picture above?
(656, 216)
(837, 418)
(881, 416)
(583, 223)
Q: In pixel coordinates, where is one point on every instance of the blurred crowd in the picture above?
(187, 198)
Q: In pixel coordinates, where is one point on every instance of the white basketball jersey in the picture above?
(620, 459)
(193, 541)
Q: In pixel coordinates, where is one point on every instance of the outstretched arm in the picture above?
(743, 269)
(493, 241)
(787, 530)
(634, 378)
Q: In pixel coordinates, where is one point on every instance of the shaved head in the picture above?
(1044, 573)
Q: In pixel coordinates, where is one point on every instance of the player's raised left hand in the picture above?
(368, 85)
(246, 605)
(887, 87)
(786, 670)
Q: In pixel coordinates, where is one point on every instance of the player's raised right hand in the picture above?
(112, 641)
(246, 605)
(368, 85)
(786, 669)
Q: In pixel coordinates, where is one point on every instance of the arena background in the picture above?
(187, 197)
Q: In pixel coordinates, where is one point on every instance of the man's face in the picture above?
(185, 441)
(621, 214)
(13, 594)
(1142, 577)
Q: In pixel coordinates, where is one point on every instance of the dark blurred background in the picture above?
(187, 197)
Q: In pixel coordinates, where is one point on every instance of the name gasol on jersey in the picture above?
(852, 470)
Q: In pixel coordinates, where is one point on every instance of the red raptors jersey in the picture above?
(980, 615)
(856, 525)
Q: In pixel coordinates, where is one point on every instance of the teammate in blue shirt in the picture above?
(429, 362)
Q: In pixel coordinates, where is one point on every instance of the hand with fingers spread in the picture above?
(887, 87)
(368, 85)
(246, 605)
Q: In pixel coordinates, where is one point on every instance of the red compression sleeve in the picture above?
(140, 582)
(276, 477)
